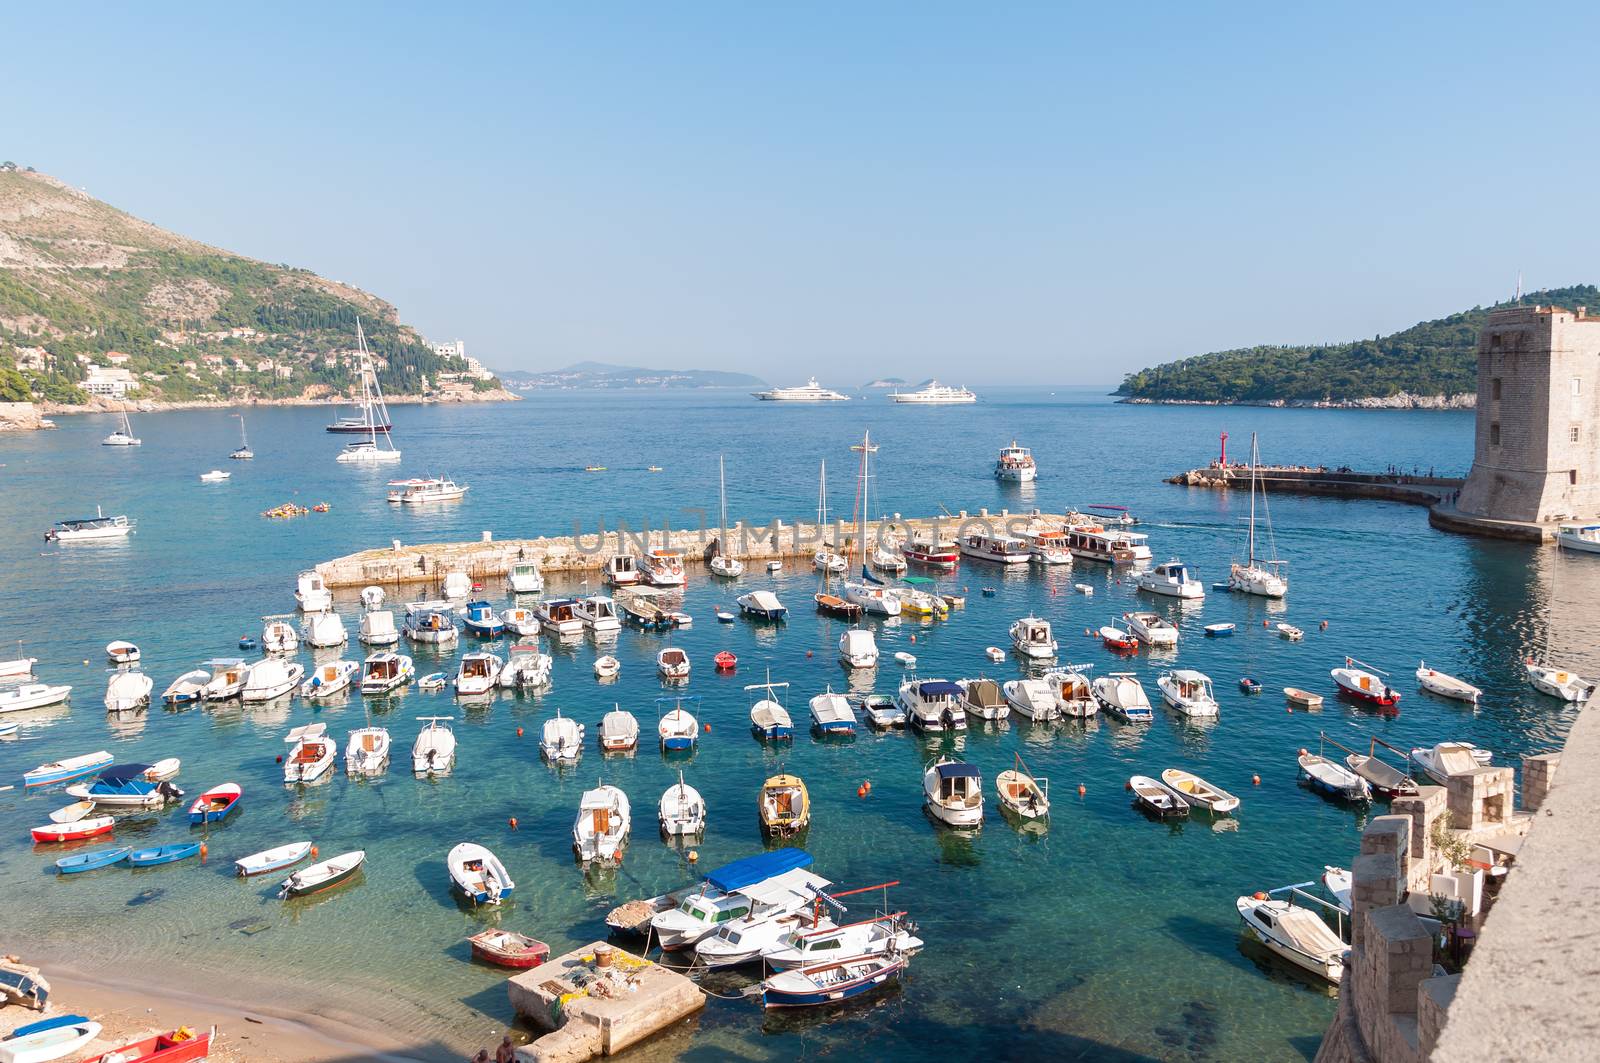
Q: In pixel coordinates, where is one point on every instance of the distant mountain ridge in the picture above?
(583, 375)
(1431, 364)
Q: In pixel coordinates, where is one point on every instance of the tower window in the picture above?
(1572, 477)
(1494, 387)
(1572, 434)
(1494, 435)
(1494, 340)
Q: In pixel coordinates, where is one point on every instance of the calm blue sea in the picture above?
(1105, 936)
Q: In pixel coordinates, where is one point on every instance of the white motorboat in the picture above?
(1173, 579)
(526, 668)
(1021, 794)
(873, 598)
(933, 393)
(761, 605)
(215, 476)
(383, 672)
(1446, 686)
(434, 751)
(561, 740)
(367, 751)
(328, 679)
(1049, 547)
(777, 906)
(1290, 632)
(228, 675)
(883, 712)
(1584, 538)
(559, 616)
(1015, 465)
(271, 677)
(278, 634)
(312, 593)
(1365, 683)
(1297, 934)
(619, 731)
(1559, 683)
(682, 811)
(622, 570)
(311, 753)
(672, 663)
(477, 673)
(1190, 692)
(826, 560)
(810, 391)
(122, 652)
(952, 792)
(526, 578)
(122, 435)
(477, 874)
(606, 667)
(1031, 636)
(1152, 629)
(1073, 694)
(1258, 576)
(1333, 779)
(419, 491)
(601, 829)
(677, 728)
(372, 597)
(1033, 699)
(823, 941)
(18, 667)
(727, 567)
(598, 613)
(430, 622)
(934, 704)
(323, 630)
(377, 628)
(1439, 762)
(1338, 882)
(1004, 549)
(663, 567)
(377, 448)
(83, 529)
(1120, 694)
(831, 714)
(984, 699)
(32, 696)
(1197, 792)
(522, 622)
(886, 558)
(858, 648)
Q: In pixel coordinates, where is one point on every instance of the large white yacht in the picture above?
(934, 393)
(811, 391)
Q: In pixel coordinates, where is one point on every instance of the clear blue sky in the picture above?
(990, 193)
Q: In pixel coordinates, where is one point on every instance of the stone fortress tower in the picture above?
(1537, 455)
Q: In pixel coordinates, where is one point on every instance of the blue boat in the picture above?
(1219, 631)
(163, 854)
(46, 1024)
(832, 982)
(125, 786)
(216, 804)
(249, 643)
(481, 620)
(59, 771)
(758, 868)
(71, 865)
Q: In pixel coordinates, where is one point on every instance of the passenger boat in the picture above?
(186, 688)
(1022, 794)
(228, 675)
(270, 860)
(163, 854)
(1049, 547)
(323, 876)
(1031, 636)
(933, 704)
(622, 570)
(1114, 546)
(1364, 685)
(377, 628)
(769, 718)
(477, 673)
(681, 811)
(931, 550)
(75, 831)
(619, 731)
(311, 593)
(672, 663)
(1172, 579)
(561, 740)
(1074, 696)
(1033, 699)
(829, 983)
(677, 728)
(883, 712)
(527, 667)
(477, 874)
(560, 616)
(1441, 761)
(216, 804)
(66, 770)
(120, 652)
(415, 492)
(82, 529)
(952, 793)
(271, 677)
(329, 679)
(776, 906)
(761, 605)
(1157, 799)
(1299, 935)
(1120, 694)
(430, 622)
(1152, 629)
(278, 634)
(1219, 631)
(1333, 779)
(1559, 683)
(1446, 686)
(933, 393)
(507, 948)
(598, 613)
(91, 861)
(174, 1046)
(51, 1038)
(1290, 632)
(33, 696)
(1015, 465)
(121, 436)
(1190, 692)
(128, 690)
(434, 751)
(1256, 575)
(663, 567)
(1197, 792)
(481, 620)
(831, 714)
(858, 648)
(601, 830)
(1583, 538)
(367, 751)
(1004, 549)
(1303, 698)
(810, 391)
(311, 753)
(383, 672)
(1117, 639)
(784, 805)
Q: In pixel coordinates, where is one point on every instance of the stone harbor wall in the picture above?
(19, 417)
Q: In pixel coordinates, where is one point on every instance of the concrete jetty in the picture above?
(1304, 480)
(597, 1001)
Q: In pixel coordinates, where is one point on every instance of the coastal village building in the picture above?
(111, 382)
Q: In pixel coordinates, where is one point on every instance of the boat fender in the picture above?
(1255, 780)
(1258, 895)
(619, 857)
(1303, 751)
(1128, 785)
(512, 822)
(1082, 789)
(85, 662)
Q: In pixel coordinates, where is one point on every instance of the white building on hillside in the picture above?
(109, 381)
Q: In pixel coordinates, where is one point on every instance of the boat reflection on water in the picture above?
(854, 1010)
(956, 846)
(1281, 970)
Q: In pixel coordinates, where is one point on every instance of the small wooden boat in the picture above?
(784, 805)
(72, 813)
(1335, 780)
(677, 728)
(48, 1040)
(769, 717)
(80, 862)
(995, 653)
(1303, 698)
(120, 652)
(1446, 686)
(774, 566)
(833, 605)
(1197, 792)
(606, 667)
(1249, 684)
(477, 874)
(672, 663)
(726, 661)
(186, 688)
(1084, 589)
(1219, 631)
(1118, 640)
(681, 810)
(1157, 799)
(215, 804)
(163, 854)
(163, 769)
(832, 982)
(619, 731)
(906, 659)
(323, 876)
(1021, 794)
(725, 617)
(431, 681)
(74, 830)
(1385, 779)
(506, 948)
(270, 860)
(1290, 632)
(174, 1046)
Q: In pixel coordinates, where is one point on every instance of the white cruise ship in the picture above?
(810, 392)
(934, 393)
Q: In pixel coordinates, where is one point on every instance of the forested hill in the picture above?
(83, 284)
(1432, 358)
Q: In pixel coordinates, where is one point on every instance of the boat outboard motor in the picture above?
(169, 791)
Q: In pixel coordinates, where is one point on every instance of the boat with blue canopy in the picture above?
(78, 862)
(126, 786)
(481, 620)
(682, 918)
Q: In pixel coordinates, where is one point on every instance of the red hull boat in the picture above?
(73, 832)
(505, 948)
(725, 661)
(179, 1046)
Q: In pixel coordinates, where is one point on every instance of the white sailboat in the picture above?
(869, 591)
(374, 412)
(724, 564)
(123, 435)
(1256, 575)
(243, 453)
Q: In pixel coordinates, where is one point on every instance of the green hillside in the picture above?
(1431, 358)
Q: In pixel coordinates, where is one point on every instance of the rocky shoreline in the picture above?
(98, 404)
(1404, 400)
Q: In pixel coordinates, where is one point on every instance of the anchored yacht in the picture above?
(934, 393)
(811, 391)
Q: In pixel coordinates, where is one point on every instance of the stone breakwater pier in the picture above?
(587, 551)
(1299, 479)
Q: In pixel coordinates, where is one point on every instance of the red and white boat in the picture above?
(178, 1046)
(75, 831)
(506, 948)
(932, 550)
(1117, 639)
(1356, 680)
(726, 661)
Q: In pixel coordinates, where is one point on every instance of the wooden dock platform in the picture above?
(597, 1001)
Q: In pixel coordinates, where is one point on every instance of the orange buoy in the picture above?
(313, 852)
(512, 822)
(619, 857)
(694, 856)
(202, 852)
(708, 728)
(278, 759)
(1263, 623)
(1255, 780)
(1303, 751)
(1128, 785)
(808, 653)
(519, 732)
(913, 638)
(861, 791)
(1258, 895)
(1324, 625)
(1082, 789)
(867, 785)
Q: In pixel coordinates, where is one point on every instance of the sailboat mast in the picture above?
(1254, 461)
(722, 490)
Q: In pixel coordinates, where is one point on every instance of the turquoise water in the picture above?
(1105, 934)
